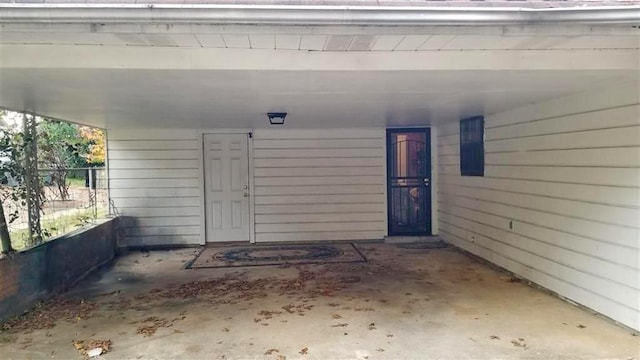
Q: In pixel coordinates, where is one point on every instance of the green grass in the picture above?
(76, 182)
(57, 226)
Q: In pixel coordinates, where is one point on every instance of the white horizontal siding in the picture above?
(154, 176)
(328, 162)
(560, 200)
(319, 184)
(306, 208)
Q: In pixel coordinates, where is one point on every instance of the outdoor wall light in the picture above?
(276, 118)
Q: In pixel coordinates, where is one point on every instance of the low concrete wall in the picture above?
(35, 274)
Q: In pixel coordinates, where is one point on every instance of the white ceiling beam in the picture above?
(130, 57)
(511, 30)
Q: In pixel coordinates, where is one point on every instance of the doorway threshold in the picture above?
(410, 239)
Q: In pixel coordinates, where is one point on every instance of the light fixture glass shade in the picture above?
(276, 118)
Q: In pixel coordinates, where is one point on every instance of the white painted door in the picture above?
(227, 187)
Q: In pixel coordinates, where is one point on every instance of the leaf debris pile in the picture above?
(266, 315)
(232, 287)
(151, 325)
(310, 283)
(46, 314)
(299, 309)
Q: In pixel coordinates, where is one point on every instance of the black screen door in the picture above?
(409, 181)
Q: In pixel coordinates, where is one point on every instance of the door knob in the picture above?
(244, 187)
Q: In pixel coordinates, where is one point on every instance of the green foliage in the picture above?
(11, 145)
(11, 169)
(60, 145)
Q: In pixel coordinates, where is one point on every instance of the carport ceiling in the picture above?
(114, 98)
(209, 76)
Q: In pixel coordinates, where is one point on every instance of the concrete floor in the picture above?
(403, 304)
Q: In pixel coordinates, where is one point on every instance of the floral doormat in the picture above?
(262, 255)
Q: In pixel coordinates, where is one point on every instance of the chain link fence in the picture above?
(72, 198)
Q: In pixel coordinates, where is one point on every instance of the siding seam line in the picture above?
(552, 245)
(540, 271)
(561, 133)
(548, 181)
(545, 196)
(532, 209)
(561, 115)
(546, 227)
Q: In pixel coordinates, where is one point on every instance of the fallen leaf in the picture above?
(519, 343)
(304, 351)
(271, 351)
(364, 309)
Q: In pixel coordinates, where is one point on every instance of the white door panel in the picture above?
(227, 187)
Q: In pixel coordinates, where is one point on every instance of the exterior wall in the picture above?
(565, 174)
(32, 275)
(155, 177)
(319, 184)
(307, 184)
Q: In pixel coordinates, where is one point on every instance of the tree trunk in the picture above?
(5, 239)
